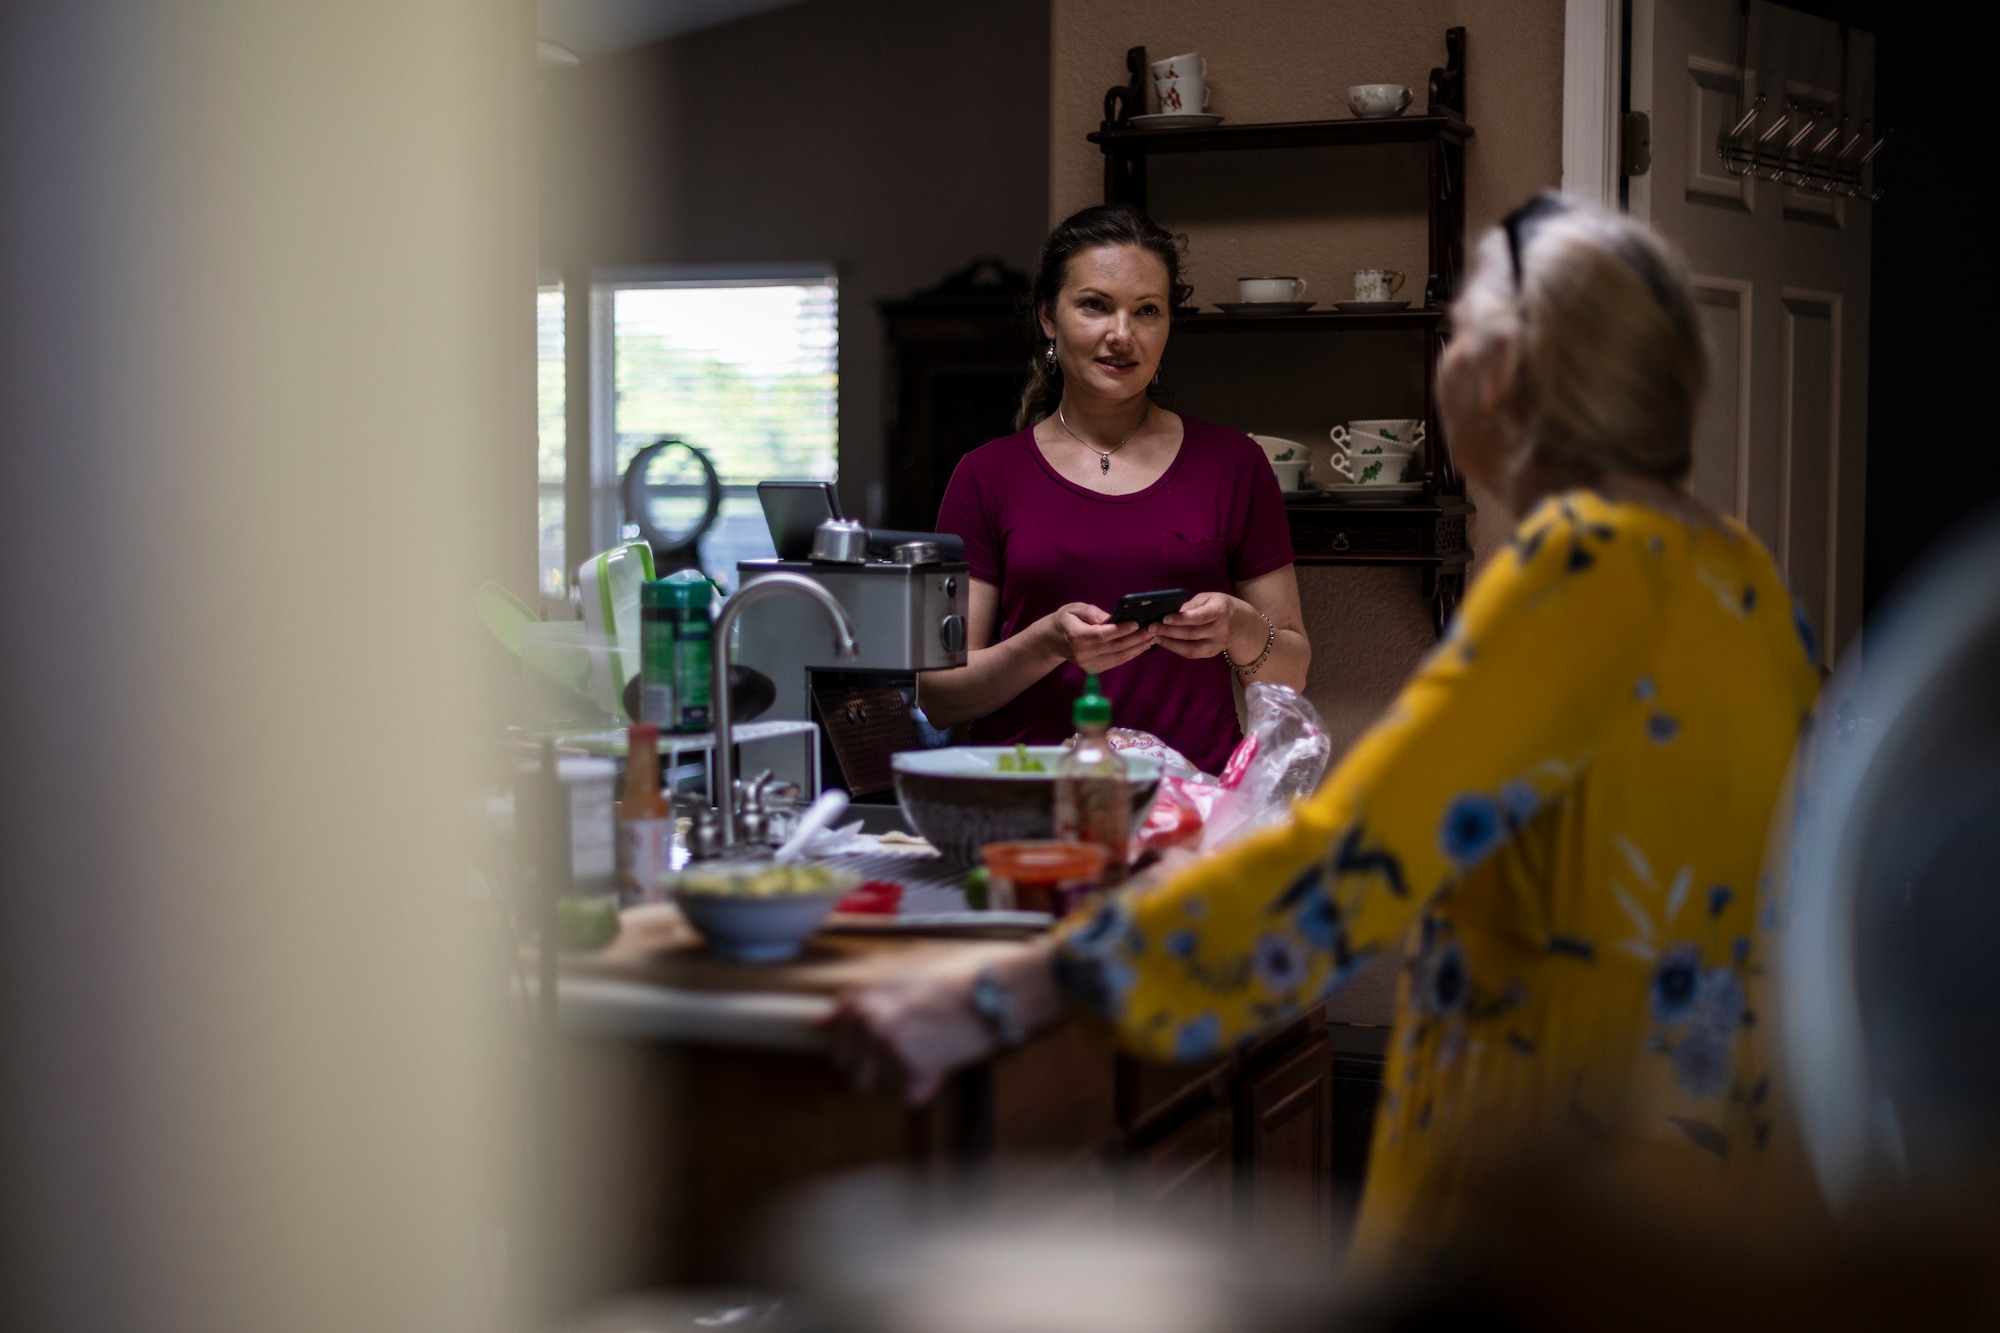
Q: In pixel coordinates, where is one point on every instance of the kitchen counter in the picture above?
(656, 981)
(725, 1102)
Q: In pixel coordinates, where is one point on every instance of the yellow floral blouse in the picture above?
(1562, 817)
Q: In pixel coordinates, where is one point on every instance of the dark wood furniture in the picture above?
(704, 1138)
(1431, 534)
(957, 359)
(1248, 1146)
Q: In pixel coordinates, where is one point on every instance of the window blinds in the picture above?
(747, 371)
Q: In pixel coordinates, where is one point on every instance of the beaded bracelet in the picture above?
(1269, 639)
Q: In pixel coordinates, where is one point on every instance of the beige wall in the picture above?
(1292, 60)
(841, 130)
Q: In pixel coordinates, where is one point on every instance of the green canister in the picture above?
(674, 631)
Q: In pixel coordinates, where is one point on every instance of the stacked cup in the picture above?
(1379, 452)
(1181, 84)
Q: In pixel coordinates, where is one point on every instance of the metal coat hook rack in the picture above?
(1806, 149)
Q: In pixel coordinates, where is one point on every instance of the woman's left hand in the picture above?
(1202, 628)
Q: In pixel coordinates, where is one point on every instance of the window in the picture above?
(742, 365)
(552, 437)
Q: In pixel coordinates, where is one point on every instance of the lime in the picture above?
(586, 924)
(975, 889)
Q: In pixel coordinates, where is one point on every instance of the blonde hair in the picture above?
(1611, 364)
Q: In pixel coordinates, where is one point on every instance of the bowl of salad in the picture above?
(757, 911)
(964, 796)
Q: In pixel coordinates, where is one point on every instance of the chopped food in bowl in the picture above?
(761, 879)
(758, 911)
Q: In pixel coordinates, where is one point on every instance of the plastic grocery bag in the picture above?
(1281, 758)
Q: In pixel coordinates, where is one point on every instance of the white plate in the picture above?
(1393, 492)
(1182, 120)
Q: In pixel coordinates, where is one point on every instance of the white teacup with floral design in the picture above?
(1384, 469)
(1403, 430)
(1349, 439)
(1181, 84)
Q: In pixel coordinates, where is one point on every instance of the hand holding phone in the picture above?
(1148, 608)
(1086, 635)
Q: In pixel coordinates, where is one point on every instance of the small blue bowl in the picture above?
(757, 928)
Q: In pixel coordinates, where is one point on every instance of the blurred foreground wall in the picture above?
(264, 335)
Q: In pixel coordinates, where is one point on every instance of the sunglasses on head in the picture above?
(1519, 225)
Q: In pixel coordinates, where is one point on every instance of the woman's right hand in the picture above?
(1084, 634)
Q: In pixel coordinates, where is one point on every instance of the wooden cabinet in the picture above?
(1287, 1143)
(1188, 1174)
(1357, 1093)
(958, 357)
(686, 1145)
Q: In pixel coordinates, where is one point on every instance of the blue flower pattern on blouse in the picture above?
(1472, 828)
(1667, 947)
(1198, 1038)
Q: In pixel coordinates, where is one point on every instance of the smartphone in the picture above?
(1145, 608)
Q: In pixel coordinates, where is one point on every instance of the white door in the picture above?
(1781, 277)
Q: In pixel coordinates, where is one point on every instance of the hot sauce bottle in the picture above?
(1093, 794)
(645, 819)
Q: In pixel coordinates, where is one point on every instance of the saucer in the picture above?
(1394, 492)
(1264, 307)
(1179, 120)
(1369, 307)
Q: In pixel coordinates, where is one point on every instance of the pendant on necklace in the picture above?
(1104, 462)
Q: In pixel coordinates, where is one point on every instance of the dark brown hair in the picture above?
(1100, 224)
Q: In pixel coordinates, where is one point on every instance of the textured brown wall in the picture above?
(1293, 60)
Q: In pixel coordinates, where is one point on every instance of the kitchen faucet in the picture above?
(770, 585)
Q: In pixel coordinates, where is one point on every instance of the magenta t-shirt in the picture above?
(1215, 519)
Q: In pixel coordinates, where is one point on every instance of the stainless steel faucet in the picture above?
(770, 585)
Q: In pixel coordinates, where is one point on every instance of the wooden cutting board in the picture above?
(656, 945)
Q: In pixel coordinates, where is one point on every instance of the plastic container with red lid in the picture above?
(1041, 876)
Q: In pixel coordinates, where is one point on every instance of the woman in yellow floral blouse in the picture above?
(1561, 818)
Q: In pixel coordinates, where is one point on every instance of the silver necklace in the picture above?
(1103, 455)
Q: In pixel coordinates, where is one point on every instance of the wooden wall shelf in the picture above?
(1432, 535)
(1332, 321)
(1286, 134)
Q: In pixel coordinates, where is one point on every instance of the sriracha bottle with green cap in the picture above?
(1093, 796)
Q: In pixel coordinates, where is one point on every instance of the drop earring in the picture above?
(1050, 354)
(1156, 379)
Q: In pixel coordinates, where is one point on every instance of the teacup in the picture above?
(1377, 284)
(1384, 469)
(1281, 450)
(1181, 83)
(1263, 290)
(1349, 439)
(1373, 100)
(1292, 473)
(1403, 430)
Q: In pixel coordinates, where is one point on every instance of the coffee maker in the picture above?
(906, 594)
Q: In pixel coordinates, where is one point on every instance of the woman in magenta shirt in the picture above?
(1102, 492)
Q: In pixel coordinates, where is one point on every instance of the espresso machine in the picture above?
(905, 595)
